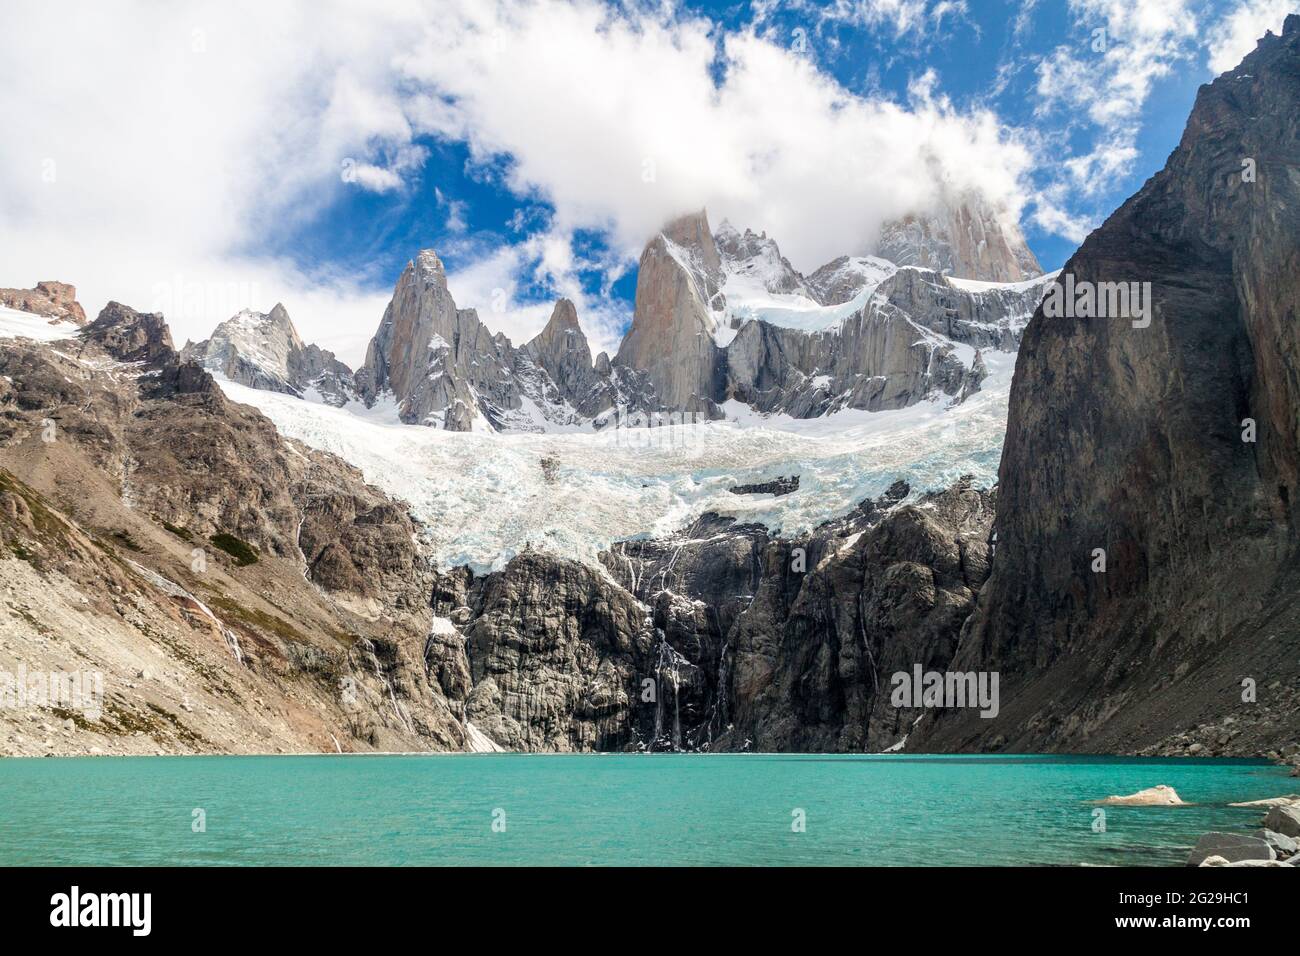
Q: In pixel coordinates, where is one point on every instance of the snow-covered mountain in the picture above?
(727, 318)
(264, 350)
(721, 320)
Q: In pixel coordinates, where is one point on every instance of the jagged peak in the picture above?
(50, 298)
(427, 264)
(564, 316)
(690, 230)
(130, 336)
(963, 235)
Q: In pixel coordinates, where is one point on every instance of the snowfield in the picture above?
(485, 497)
(15, 324)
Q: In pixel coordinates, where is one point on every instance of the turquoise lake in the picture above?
(665, 809)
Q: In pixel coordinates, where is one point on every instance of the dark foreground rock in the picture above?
(1170, 451)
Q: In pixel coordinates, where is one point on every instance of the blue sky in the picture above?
(212, 156)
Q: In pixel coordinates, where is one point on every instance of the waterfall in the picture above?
(172, 589)
(388, 686)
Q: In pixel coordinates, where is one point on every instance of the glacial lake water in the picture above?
(498, 809)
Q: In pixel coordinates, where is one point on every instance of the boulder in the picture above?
(1157, 796)
(1270, 802)
(1284, 820)
(1230, 848)
(1283, 845)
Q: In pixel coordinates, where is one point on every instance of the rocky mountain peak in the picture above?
(964, 237)
(55, 300)
(756, 259)
(427, 263)
(131, 336)
(264, 350)
(691, 232)
(671, 338)
(564, 317)
(561, 342)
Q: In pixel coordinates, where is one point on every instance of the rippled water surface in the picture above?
(614, 809)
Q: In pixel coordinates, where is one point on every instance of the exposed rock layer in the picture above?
(55, 300)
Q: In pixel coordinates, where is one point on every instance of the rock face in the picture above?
(1174, 448)
(164, 526)
(842, 280)
(1160, 795)
(896, 340)
(1231, 847)
(57, 300)
(671, 336)
(878, 359)
(561, 351)
(443, 367)
(723, 637)
(757, 257)
(429, 354)
(264, 350)
(131, 336)
(965, 238)
(1284, 820)
(716, 318)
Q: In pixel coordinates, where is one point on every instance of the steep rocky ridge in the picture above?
(723, 637)
(442, 366)
(716, 318)
(1135, 440)
(264, 350)
(895, 340)
(237, 591)
(671, 336)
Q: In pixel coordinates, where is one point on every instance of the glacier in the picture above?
(484, 498)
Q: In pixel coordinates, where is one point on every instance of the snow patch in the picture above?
(16, 324)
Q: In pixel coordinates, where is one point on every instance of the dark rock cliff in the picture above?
(723, 637)
(1137, 440)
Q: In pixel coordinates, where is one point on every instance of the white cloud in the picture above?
(1237, 32)
(180, 136)
(616, 119)
(1118, 51)
(164, 140)
(901, 16)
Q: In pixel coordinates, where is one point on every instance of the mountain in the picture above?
(741, 648)
(561, 351)
(964, 238)
(264, 350)
(1170, 448)
(844, 279)
(717, 319)
(1132, 580)
(671, 338)
(757, 258)
(54, 300)
(730, 319)
(233, 590)
(442, 367)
